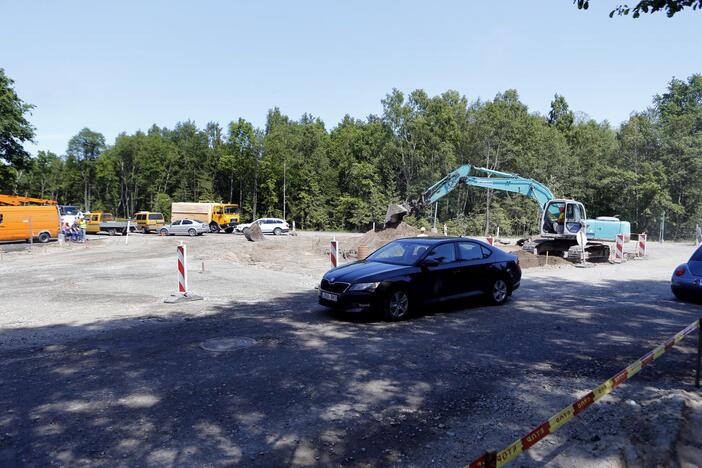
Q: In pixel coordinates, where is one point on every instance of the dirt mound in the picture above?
(529, 260)
(376, 239)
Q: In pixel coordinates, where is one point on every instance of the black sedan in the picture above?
(417, 271)
(686, 282)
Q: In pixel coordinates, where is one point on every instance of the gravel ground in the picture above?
(97, 370)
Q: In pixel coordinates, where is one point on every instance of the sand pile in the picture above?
(376, 239)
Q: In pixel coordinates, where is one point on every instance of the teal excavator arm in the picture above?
(497, 181)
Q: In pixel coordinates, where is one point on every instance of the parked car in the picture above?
(148, 221)
(275, 226)
(686, 282)
(188, 227)
(407, 273)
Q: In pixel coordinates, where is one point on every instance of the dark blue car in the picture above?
(686, 282)
(423, 270)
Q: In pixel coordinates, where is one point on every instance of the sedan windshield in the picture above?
(399, 253)
(697, 256)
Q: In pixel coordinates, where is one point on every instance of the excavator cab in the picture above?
(562, 219)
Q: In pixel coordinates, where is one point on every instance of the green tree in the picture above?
(15, 130)
(670, 7)
(85, 147)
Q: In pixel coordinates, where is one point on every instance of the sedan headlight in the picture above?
(370, 287)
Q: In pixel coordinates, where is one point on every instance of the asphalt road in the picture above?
(319, 388)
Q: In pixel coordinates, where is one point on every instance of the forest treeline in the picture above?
(344, 177)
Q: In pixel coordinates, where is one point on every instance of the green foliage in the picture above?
(670, 7)
(344, 178)
(162, 204)
(15, 130)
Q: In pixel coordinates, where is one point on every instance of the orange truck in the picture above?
(23, 222)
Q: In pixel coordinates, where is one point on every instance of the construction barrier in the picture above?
(619, 249)
(490, 240)
(183, 293)
(501, 458)
(182, 269)
(334, 252)
(641, 246)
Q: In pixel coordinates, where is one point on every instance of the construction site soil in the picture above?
(98, 371)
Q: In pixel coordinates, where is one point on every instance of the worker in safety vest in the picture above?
(83, 226)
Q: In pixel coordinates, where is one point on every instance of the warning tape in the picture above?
(559, 419)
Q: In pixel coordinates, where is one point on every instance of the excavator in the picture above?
(564, 228)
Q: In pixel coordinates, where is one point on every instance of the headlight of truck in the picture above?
(369, 287)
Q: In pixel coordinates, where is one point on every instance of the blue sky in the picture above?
(123, 65)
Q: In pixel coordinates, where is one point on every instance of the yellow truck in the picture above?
(218, 216)
(102, 221)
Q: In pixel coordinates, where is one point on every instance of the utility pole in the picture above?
(285, 168)
(436, 212)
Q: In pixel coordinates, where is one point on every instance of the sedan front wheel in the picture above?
(397, 305)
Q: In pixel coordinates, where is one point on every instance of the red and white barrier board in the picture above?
(183, 293)
(182, 269)
(619, 249)
(641, 249)
(490, 240)
(334, 253)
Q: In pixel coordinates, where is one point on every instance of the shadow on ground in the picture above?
(326, 388)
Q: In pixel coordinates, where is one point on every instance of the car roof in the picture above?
(438, 239)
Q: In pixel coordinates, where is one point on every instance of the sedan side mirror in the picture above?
(429, 262)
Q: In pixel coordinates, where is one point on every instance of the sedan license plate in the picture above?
(328, 296)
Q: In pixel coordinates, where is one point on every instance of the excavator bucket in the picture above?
(394, 215)
(254, 233)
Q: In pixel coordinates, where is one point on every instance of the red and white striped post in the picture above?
(183, 293)
(334, 252)
(182, 269)
(619, 249)
(641, 250)
(490, 240)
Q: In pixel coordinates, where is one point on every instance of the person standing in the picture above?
(83, 226)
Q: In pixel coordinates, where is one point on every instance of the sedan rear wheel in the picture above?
(192, 232)
(397, 305)
(499, 292)
(277, 231)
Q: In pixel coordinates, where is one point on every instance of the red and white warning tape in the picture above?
(505, 456)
